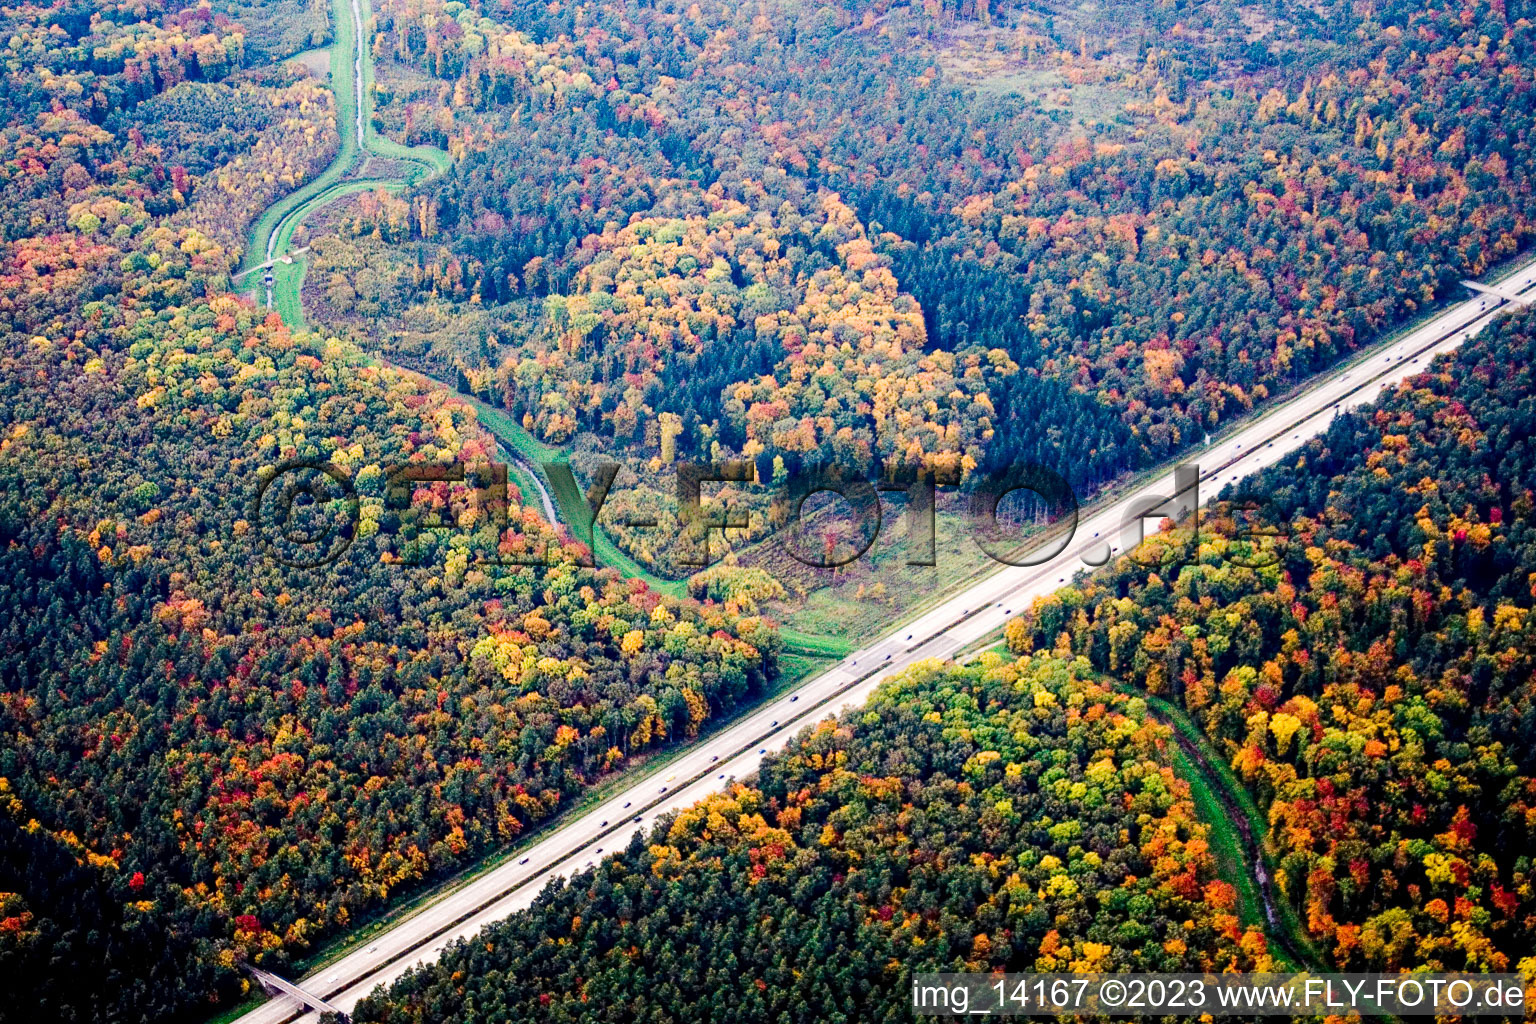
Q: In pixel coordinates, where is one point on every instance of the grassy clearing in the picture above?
(525, 483)
(317, 61)
(1226, 844)
(848, 607)
(287, 283)
(1227, 796)
(1225, 780)
(815, 645)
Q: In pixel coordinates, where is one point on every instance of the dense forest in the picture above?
(942, 237)
(885, 236)
(1226, 182)
(1013, 813)
(1354, 631)
(210, 753)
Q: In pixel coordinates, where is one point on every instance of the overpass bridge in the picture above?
(285, 258)
(280, 986)
(1500, 291)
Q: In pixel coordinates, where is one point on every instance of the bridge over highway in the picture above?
(272, 983)
(1501, 291)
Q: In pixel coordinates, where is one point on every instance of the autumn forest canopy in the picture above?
(1369, 685)
(945, 238)
(889, 237)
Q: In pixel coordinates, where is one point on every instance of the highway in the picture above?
(272, 983)
(958, 622)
